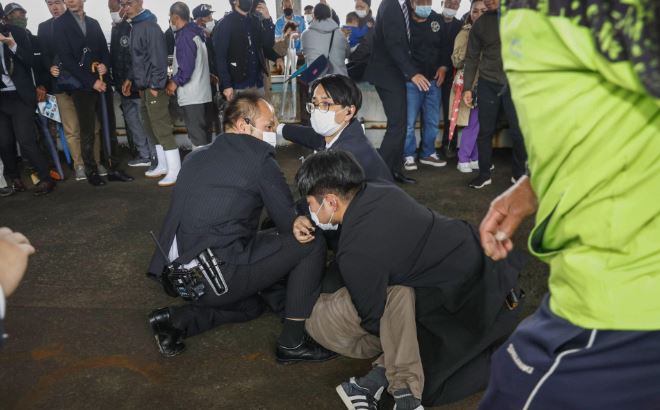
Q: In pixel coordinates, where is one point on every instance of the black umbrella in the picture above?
(105, 121)
(43, 124)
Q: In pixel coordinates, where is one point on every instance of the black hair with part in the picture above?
(322, 12)
(180, 9)
(244, 106)
(330, 172)
(343, 90)
(352, 16)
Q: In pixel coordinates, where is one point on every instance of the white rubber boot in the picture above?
(160, 169)
(173, 168)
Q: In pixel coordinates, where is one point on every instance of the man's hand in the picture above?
(303, 230)
(15, 249)
(506, 213)
(102, 69)
(214, 79)
(228, 93)
(171, 88)
(421, 82)
(153, 92)
(55, 71)
(8, 40)
(261, 8)
(440, 76)
(41, 93)
(467, 98)
(126, 88)
(100, 86)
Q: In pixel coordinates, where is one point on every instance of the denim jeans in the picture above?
(428, 103)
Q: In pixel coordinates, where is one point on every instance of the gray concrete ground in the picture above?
(77, 325)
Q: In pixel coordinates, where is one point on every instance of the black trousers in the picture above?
(396, 109)
(195, 119)
(302, 264)
(88, 108)
(492, 97)
(17, 124)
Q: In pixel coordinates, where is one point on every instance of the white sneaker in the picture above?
(465, 167)
(433, 160)
(160, 169)
(474, 165)
(102, 170)
(409, 164)
(173, 168)
(80, 173)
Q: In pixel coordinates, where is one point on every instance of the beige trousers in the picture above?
(335, 325)
(69, 118)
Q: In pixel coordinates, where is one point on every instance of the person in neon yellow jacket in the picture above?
(585, 80)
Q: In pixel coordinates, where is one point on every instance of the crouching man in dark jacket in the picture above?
(458, 309)
(222, 190)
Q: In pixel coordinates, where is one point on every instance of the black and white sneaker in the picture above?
(356, 397)
(480, 182)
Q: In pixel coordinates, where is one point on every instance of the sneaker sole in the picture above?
(81, 179)
(294, 361)
(433, 164)
(139, 165)
(344, 398)
(410, 168)
(488, 182)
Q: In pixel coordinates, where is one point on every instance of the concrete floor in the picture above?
(77, 325)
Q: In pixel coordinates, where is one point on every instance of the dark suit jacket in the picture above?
(391, 61)
(46, 36)
(352, 140)
(71, 43)
(23, 61)
(218, 199)
(460, 293)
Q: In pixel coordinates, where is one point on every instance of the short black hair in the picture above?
(309, 7)
(290, 25)
(330, 172)
(322, 12)
(180, 9)
(343, 90)
(242, 106)
(352, 16)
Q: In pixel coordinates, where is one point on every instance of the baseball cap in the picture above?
(12, 7)
(201, 11)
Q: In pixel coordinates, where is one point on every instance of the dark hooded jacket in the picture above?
(148, 53)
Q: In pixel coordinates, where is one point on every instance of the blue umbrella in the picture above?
(65, 145)
(43, 123)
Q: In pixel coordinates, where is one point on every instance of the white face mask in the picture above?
(449, 12)
(270, 138)
(309, 18)
(326, 226)
(361, 13)
(324, 122)
(210, 25)
(116, 18)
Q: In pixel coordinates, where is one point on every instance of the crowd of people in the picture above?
(437, 300)
(203, 63)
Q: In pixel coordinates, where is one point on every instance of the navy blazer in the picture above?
(23, 63)
(71, 43)
(352, 140)
(218, 200)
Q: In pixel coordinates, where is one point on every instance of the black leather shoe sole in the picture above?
(119, 176)
(282, 360)
(402, 179)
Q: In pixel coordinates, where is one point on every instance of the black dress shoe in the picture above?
(18, 185)
(169, 339)
(307, 351)
(95, 179)
(44, 188)
(402, 179)
(119, 176)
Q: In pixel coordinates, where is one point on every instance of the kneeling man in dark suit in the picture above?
(419, 291)
(216, 205)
